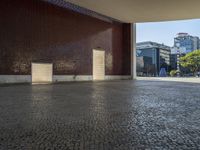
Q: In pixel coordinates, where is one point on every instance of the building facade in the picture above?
(183, 44)
(61, 34)
(186, 42)
(154, 57)
(173, 61)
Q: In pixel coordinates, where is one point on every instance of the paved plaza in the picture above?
(172, 79)
(114, 115)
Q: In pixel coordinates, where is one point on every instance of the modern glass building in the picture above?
(186, 41)
(153, 56)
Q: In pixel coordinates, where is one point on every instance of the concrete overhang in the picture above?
(143, 10)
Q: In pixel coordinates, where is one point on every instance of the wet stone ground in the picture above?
(116, 115)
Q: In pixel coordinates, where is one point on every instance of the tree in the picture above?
(173, 73)
(191, 61)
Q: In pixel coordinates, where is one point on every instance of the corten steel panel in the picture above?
(41, 72)
(36, 31)
(98, 64)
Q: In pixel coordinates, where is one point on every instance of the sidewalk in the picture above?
(175, 79)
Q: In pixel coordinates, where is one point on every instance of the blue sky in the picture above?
(164, 32)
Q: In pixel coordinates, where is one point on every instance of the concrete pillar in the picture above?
(133, 51)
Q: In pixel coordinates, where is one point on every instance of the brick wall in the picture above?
(37, 31)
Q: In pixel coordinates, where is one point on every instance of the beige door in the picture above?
(42, 72)
(98, 65)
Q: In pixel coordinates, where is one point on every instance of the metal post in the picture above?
(178, 59)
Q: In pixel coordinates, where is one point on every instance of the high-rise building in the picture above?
(153, 56)
(183, 44)
(186, 43)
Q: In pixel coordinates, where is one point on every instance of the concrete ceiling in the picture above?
(143, 10)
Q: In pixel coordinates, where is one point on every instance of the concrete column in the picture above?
(133, 51)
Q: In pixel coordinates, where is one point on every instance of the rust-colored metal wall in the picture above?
(36, 31)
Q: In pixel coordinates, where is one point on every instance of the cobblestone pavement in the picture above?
(115, 115)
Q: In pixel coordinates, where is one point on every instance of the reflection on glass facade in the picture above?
(184, 40)
(151, 57)
(147, 61)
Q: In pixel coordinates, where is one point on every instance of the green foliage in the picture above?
(191, 61)
(173, 73)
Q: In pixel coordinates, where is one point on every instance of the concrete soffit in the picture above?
(143, 10)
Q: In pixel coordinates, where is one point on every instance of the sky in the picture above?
(164, 32)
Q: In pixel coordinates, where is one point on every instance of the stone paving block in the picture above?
(117, 115)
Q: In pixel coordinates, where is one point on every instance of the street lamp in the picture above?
(178, 59)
